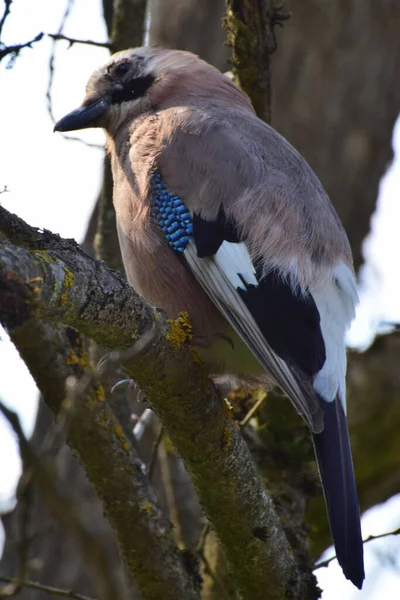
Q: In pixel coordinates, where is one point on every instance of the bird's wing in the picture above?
(279, 323)
(229, 278)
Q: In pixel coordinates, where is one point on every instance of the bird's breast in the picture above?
(158, 274)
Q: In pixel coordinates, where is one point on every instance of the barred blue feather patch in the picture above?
(171, 214)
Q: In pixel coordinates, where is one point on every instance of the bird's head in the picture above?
(139, 80)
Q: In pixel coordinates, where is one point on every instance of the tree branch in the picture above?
(16, 49)
(71, 41)
(48, 589)
(95, 435)
(370, 538)
(72, 288)
(7, 9)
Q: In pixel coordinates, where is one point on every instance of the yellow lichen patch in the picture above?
(72, 358)
(63, 298)
(147, 507)
(119, 431)
(80, 359)
(226, 438)
(69, 278)
(100, 393)
(180, 331)
(67, 283)
(44, 255)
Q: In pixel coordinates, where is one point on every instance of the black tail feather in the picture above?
(333, 453)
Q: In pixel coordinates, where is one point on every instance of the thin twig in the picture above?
(24, 498)
(154, 452)
(200, 551)
(71, 41)
(252, 411)
(60, 36)
(6, 12)
(325, 563)
(52, 60)
(16, 49)
(44, 588)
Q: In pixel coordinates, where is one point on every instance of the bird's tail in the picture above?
(333, 453)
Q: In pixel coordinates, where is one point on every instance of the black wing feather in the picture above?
(289, 321)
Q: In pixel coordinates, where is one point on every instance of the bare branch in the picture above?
(7, 9)
(64, 18)
(16, 49)
(71, 41)
(325, 563)
(60, 36)
(35, 585)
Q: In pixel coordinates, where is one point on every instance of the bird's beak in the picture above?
(83, 117)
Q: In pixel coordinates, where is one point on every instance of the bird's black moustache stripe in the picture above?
(132, 89)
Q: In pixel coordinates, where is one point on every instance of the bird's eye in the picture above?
(121, 69)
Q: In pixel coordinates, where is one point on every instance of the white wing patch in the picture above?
(233, 259)
(218, 275)
(336, 303)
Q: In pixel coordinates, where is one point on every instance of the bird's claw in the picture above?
(129, 383)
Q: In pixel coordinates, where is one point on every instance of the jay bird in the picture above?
(218, 215)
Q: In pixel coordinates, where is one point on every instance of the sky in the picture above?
(53, 183)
